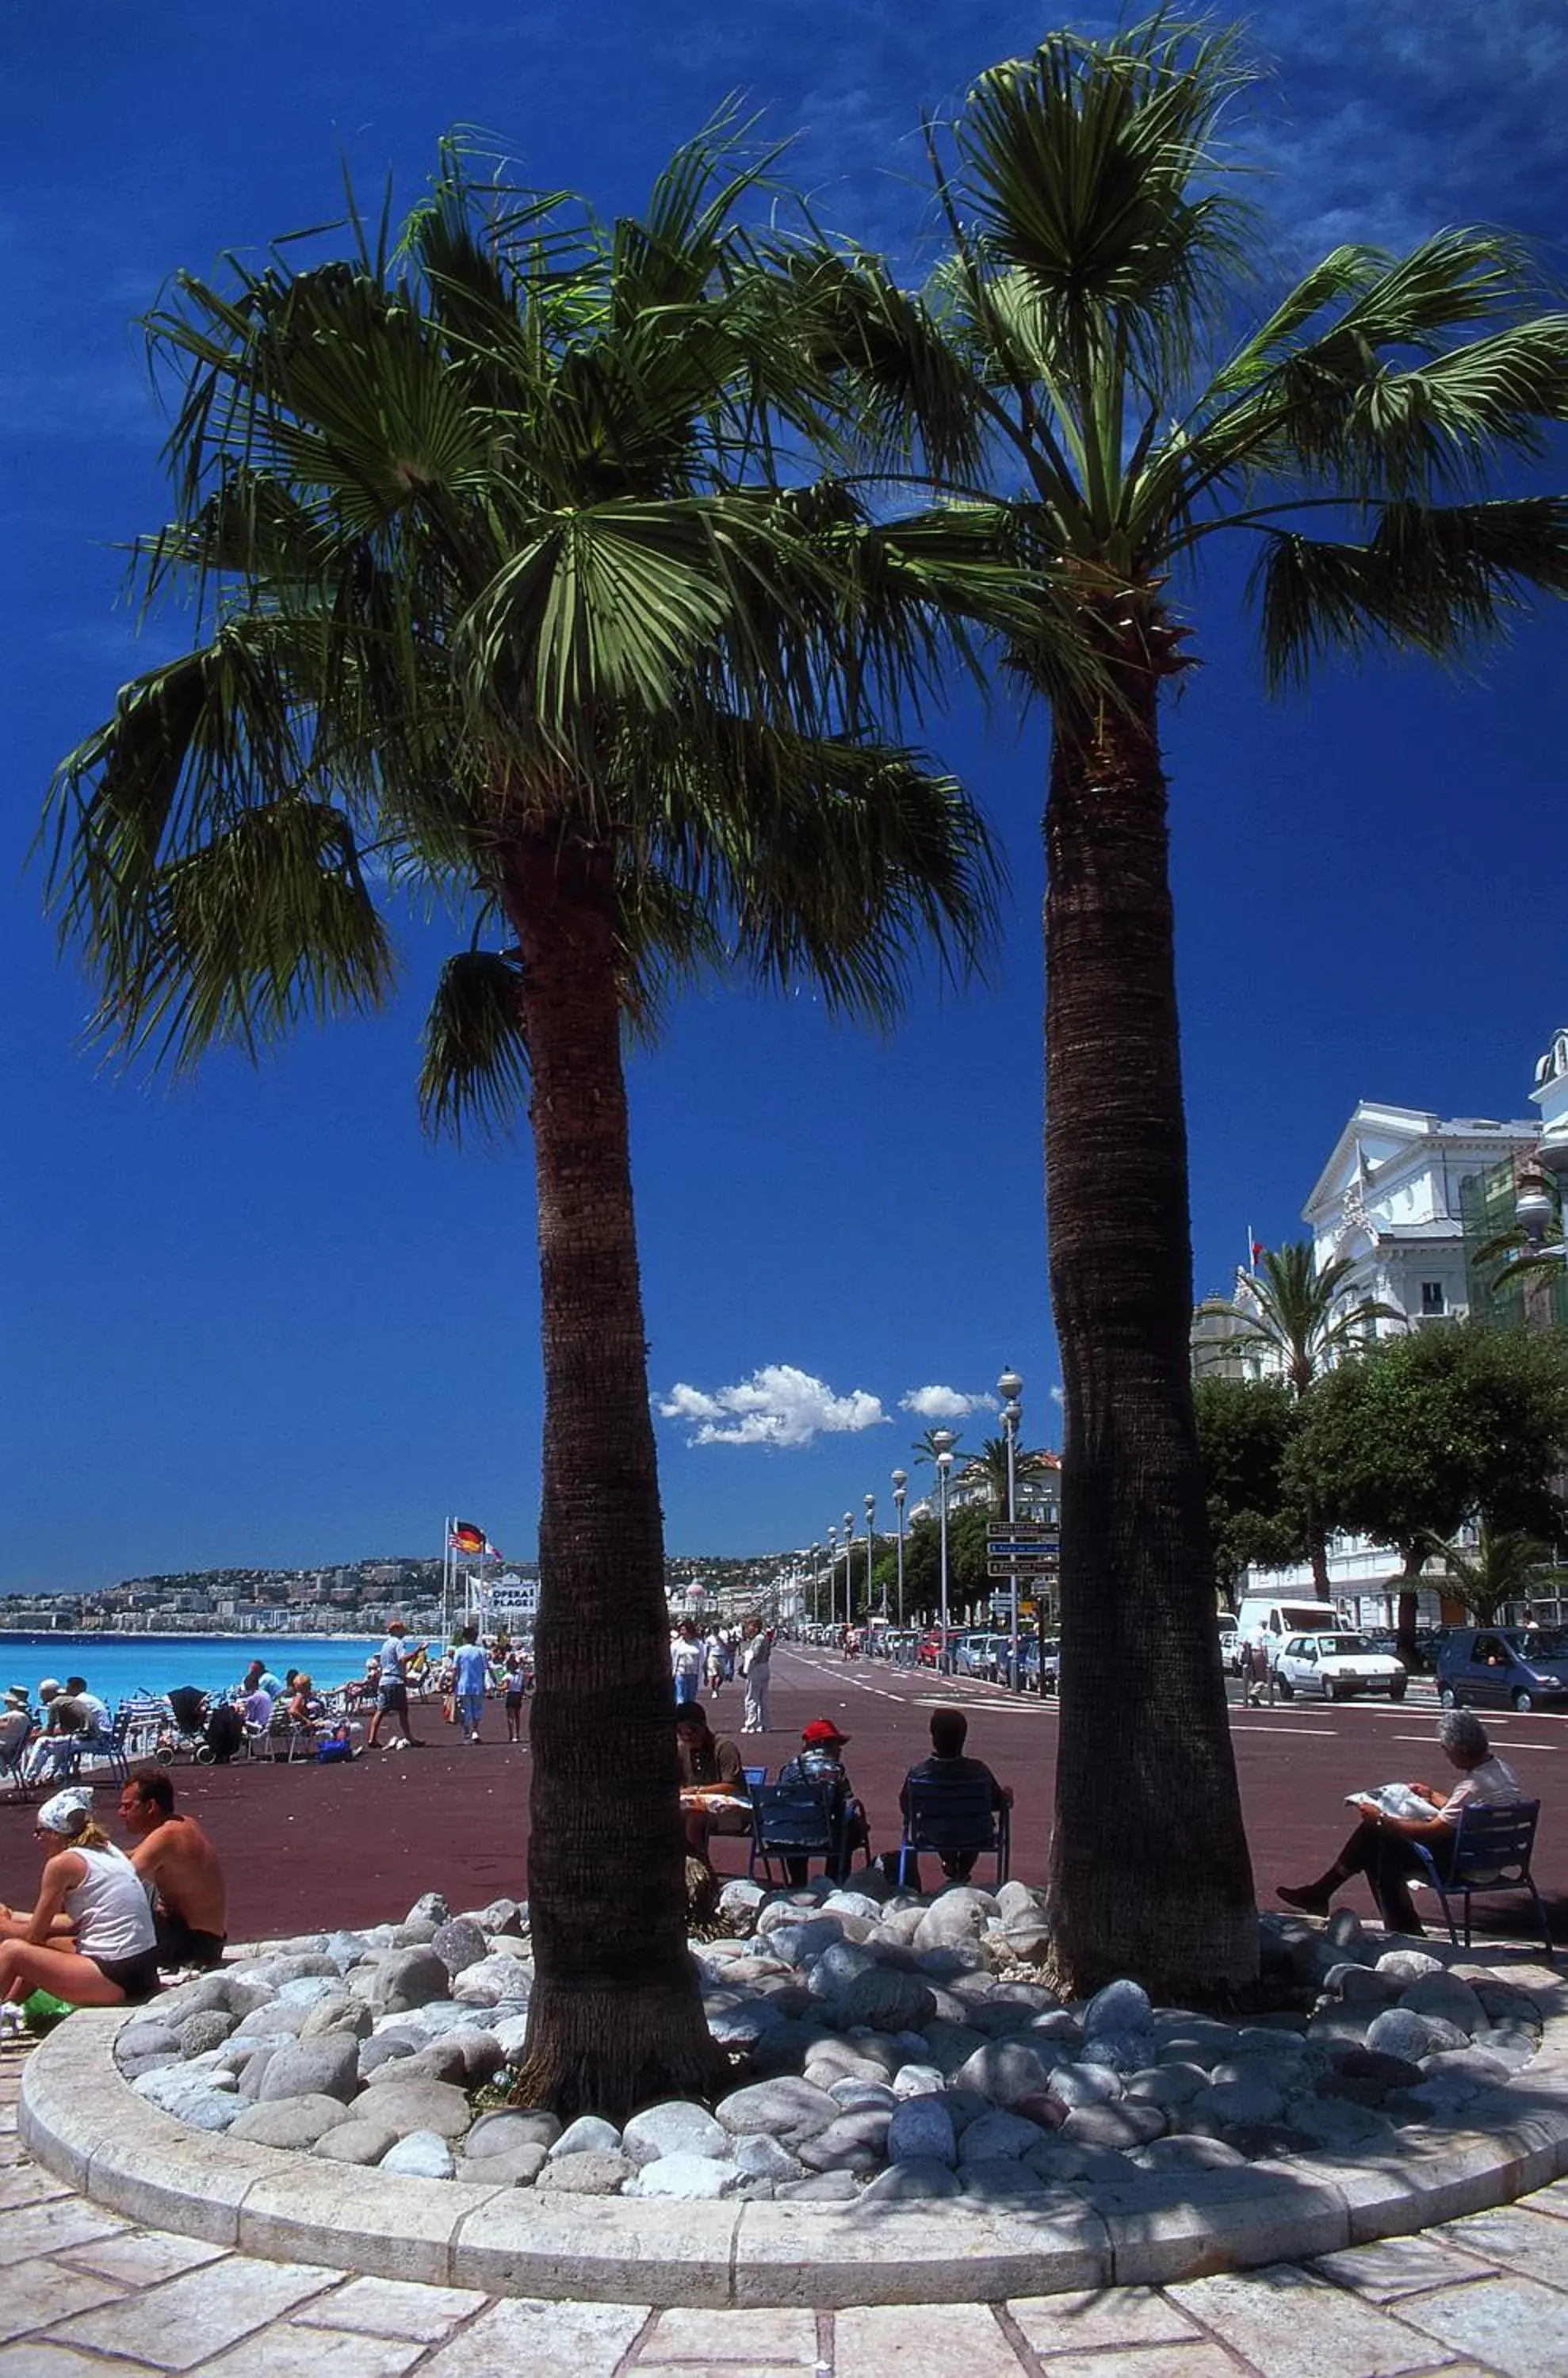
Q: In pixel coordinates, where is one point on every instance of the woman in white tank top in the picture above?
(90, 1936)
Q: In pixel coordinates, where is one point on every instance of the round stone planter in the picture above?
(80, 2119)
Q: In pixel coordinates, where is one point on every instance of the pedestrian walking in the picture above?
(756, 1654)
(1260, 1668)
(686, 1662)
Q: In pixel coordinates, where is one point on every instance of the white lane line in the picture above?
(1328, 1732)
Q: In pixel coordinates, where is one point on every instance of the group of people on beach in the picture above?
(105, 1922)
(67, 1723)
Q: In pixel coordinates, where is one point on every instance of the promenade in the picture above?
(307, 1846)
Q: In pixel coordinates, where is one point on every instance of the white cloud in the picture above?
(777, 1406)
(937, 1404)
(1058, 1395)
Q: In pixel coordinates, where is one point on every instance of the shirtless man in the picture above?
(175, 1857)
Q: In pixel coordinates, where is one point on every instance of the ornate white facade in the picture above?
(1387, 1201)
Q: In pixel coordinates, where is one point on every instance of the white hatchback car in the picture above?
(1338, 1667)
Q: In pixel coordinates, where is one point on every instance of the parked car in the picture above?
(1503, 1667)
(1230, 1651)
(1338, 1667)
(930, 1643)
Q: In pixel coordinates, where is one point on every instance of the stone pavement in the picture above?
(83, 2293)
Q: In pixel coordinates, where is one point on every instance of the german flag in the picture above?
(466, 1537)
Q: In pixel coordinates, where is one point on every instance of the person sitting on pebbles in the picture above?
(89, 1936)
(1380, 1846)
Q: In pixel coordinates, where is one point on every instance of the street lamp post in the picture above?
(943, 1441)
(1010, 1387)
(871, 1556)
(849, 1572)
(900, 1488)
(832, 1576)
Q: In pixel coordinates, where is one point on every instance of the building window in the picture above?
(1431, 1296)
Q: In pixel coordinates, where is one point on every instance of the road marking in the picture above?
(1328, 1732)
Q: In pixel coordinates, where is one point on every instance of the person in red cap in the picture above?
(820, 1760)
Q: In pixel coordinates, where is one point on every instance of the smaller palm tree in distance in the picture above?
(1501, 1567)
(1300, 1321)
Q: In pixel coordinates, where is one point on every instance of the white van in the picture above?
(1285, 1618)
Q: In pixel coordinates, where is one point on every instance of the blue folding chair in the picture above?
(1491, 1851)
(753, 1776)
(797, 1821)
(951, 1818)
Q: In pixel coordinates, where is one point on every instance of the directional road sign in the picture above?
(1033, 1563)
(1021, 1531)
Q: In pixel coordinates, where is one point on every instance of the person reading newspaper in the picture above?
(1396, 1816)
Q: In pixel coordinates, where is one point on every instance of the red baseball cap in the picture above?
(822, 1729)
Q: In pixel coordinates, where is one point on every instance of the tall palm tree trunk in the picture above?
(1150, 1873)
(616, 2019)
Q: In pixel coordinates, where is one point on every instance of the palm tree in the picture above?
(503, 607)
(1086, 328)
(1300, 1320)
(990, 1463)
(1501, 1566)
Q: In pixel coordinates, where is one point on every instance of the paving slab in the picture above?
(37, 2294)
(1287, 2323)
(1515, 2327)
(1397, 2266)
(45, 2228)
(1106, 2316)
(780, 2340)
(287, 2351)
(398, 2307)
(946, 2338)
(37, 2359)
(528, 2338)
(141, 2257)
(1515, 2239)
(1200, 2360)
(181, 2323)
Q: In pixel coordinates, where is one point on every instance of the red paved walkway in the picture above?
(309, 1846)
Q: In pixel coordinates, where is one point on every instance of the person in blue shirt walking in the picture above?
(471, 1674)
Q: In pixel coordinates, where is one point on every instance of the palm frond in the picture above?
(1434, 579)
(473, 1064)
(1093, 167)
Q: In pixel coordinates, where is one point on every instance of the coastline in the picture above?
(182, 1635)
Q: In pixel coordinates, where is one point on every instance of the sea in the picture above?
(119, 1666)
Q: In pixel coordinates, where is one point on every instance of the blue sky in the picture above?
(261, 1318)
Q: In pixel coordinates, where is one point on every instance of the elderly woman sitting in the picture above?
(1381, 1847)
(88, 1937)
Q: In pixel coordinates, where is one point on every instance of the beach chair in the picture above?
(797, 1821)
(13, 1747)
(74, 1752)
(1491, 1851)
(952, 1817)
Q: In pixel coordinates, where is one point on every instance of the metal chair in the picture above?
(952, 1818)
(1491, 1851)
(754, 1775)
(792, 1822)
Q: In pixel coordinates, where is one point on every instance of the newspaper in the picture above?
(1394, 1800)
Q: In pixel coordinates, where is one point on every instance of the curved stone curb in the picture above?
(80, 2119)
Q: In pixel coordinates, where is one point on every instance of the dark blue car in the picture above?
(1504, 1667)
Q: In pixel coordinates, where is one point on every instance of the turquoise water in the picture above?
(117, 1666)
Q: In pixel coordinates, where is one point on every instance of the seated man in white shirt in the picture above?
(1380, 1846)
